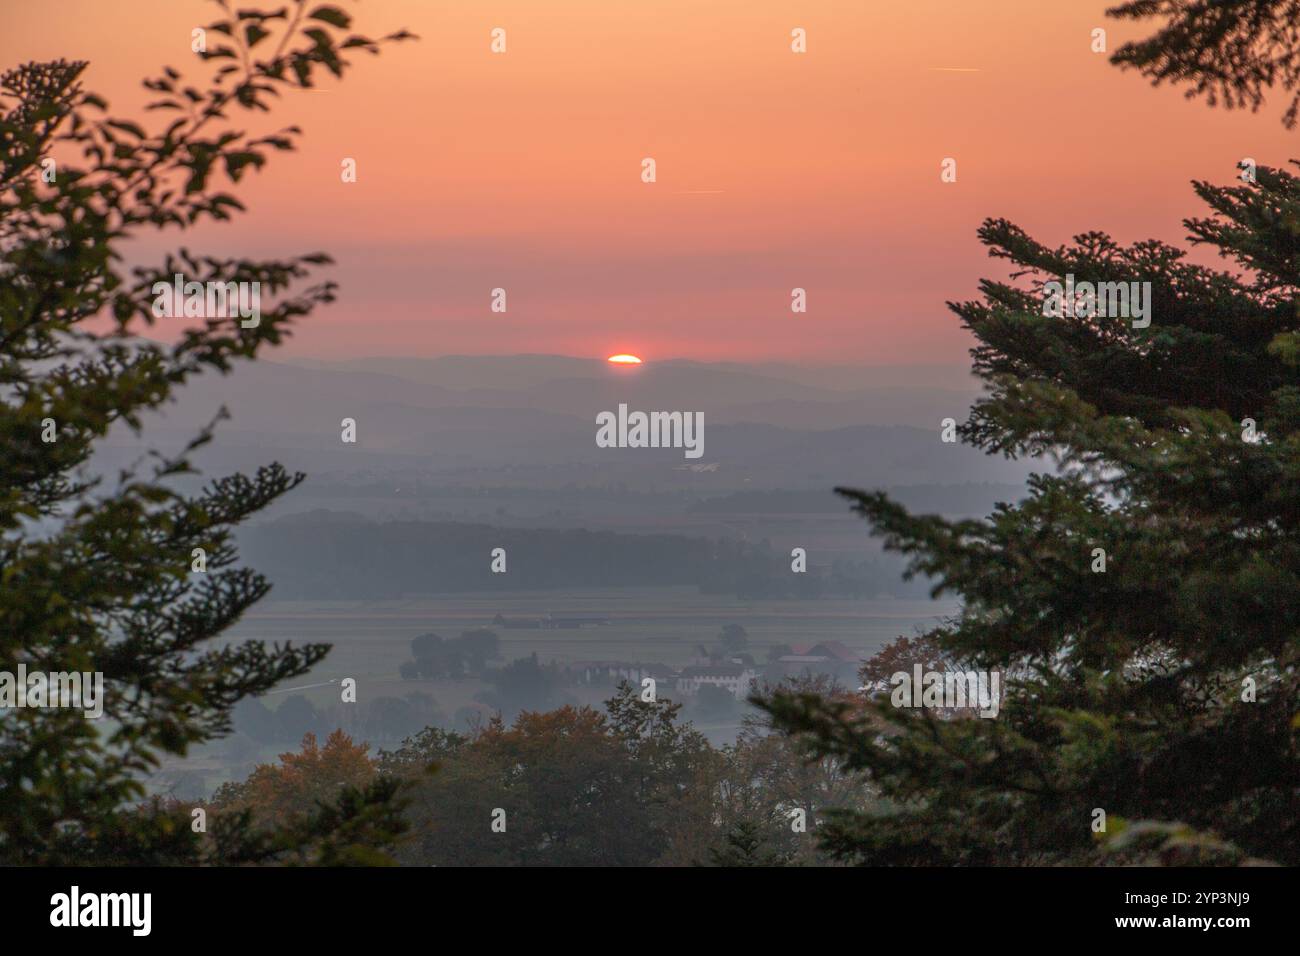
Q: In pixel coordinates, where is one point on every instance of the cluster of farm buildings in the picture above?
(739, 677)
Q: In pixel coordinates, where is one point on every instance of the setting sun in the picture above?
(624, 359)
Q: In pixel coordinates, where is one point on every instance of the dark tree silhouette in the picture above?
(1229, 51)
(102, 575)
(1158, 687)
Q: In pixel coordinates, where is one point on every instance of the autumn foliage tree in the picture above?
(303, 778)
(576, 787)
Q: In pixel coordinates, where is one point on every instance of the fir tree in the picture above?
(1150, 708)
(102, 573)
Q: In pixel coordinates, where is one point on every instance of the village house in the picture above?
(737, 679)
(611, 672)
(829, 658)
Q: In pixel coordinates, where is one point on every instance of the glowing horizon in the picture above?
(775, 170)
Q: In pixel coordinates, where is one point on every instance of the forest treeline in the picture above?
(624, 785)
(321, 555)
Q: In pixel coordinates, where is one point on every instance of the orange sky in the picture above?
(775, 170)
